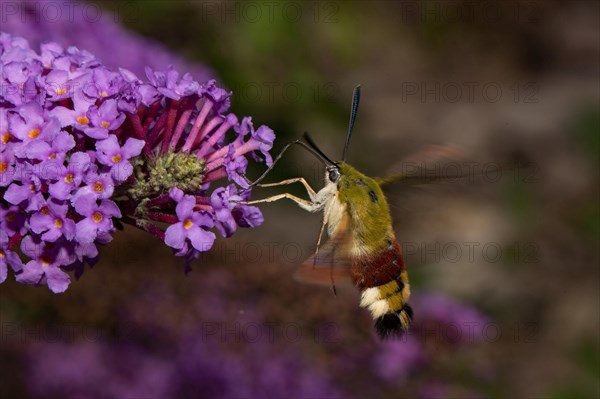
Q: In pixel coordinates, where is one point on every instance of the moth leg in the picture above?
(304, 204)
(311, 193)
(316, 255)
(331, 274)
(325, 220)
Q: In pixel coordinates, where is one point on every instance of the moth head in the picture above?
(332, 174)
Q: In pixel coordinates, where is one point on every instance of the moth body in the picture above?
(362, 246)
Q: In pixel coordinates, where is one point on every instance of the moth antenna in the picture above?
(353, 111)
(310, 142)
(317, 154)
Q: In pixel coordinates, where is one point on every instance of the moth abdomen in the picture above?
(394, 324)
(379, 268)
(385, 290)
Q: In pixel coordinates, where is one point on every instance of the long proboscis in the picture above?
(316, 148)
(318, 154)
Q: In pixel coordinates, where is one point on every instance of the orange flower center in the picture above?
(60, 91)
(6, 137)
(3, 166)
(46, 260)
(10, 216)
(45, 210)
(83, 120)
(105, 124)
(187, 224)
(69, 178)
(117, 158)
(2, 254)
(97, 216)
(33, 133)
(103, 94)
(58, 223)
(98, 187)
(52, 156)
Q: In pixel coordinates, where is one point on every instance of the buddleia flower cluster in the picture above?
(85, 149)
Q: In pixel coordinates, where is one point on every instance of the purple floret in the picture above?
(45, 264)
(97, 218)
(52, 222)
(115, 157)
(192, 225)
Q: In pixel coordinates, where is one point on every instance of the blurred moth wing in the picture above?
(331, 262)
(434, 162)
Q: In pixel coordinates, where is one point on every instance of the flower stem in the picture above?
(145, 226)
(162, 217)
(191, 139)
(173, 110)
(138, 129)
(160, 200)
(150, 114)
(229, 121)
(216, 174)
(183, 120)
(156, 133)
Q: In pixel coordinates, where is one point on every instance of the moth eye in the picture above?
(334, 175)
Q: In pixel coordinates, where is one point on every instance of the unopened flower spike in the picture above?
(85, 148)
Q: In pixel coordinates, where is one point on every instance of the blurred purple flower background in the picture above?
(88, 26)
(220, 355)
